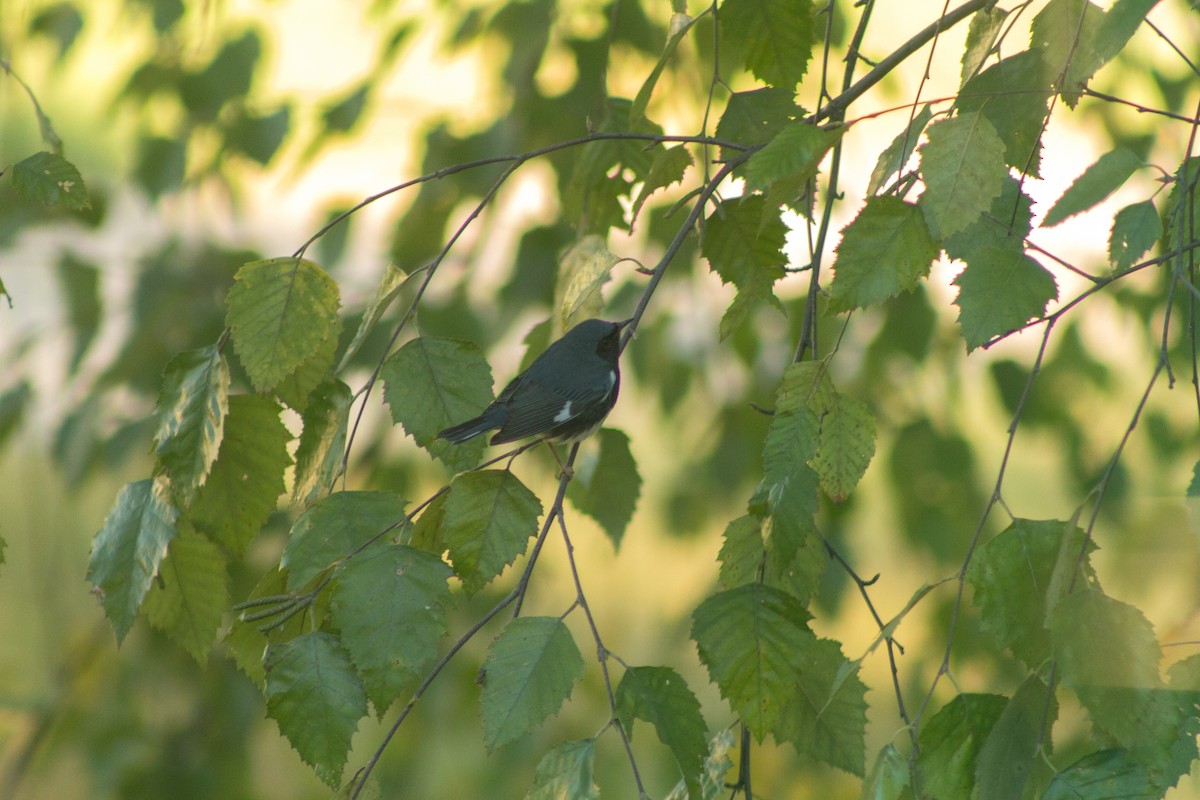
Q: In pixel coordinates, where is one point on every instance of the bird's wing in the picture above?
(536, 407)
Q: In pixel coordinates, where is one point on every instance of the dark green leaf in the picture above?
(191, 410)
(323, 441)
(742, 247)
(80, 282)
(1135, 229)
(487, 521)
(51, 180)
(389, 605)
(1012, 95)
(886, 225)
(775, 39)
(792, 155)
(999, 291)
(826, 715)
(128, 549)
(607, 485)
(227, 77)
(61, 22)
(668, 167)
(1096, 183)
(566, 773)
(756, 117)
(335, 527)
(190, 600)
(161, 164)
(1010, 751)
(1102, 775)
(529, 672)
(13, 404)
(660, 696)
(314, 695)
(741, 551)
(951, 740)
(259, 137)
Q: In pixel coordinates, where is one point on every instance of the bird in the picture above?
(563, 396)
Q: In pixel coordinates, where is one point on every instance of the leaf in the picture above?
(333, 528)
(487, 520)
(1096, 183)
(1103, 774)
(749, 638)
(756, 117)
(1005, 226)
(530, 670)
(1182, 211)
(845, 447)
(744, 246)
(896, 155)
(660, 696)
(393, 280)
(51, 180)
(951, 741)
(585, 267)
(716, 767)
(314, 695)
(245, 641)
(1135, 229)
(246, 480)
(389, 604)
(191, 410)
(1012, 95)
(982, 35)
(826, 716)
(259, 136)
(80, 282)
(432, 383)
(128, 549)
(326, 421)
(668, 166)
(792, 155)
(775, 39)
(787, 501)
(193, 595)
(680, 25)
(885, 225)
(1010, 751)
(1064, 32)
(889, 776)
(999, 291)
(741, 551)
(566, 772)
(281, 312)
(606, 486)
(962, 165)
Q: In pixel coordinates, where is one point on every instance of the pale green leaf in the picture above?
(680, 25)
(1104, 774)
(334, 527)
(889, 775)
(191, 410)
(1064, 33)
(896, 155)
(1010, 750)
(529, 672)
(713, 783)
(314, 695)
(128, 549)
(1096, 183)
(999, 291)
(606, 484)
(884, 251)
(431, 384)
(282, 311)
(793, 155)
(389, 604)
(326, 421)
(246, 480)
(982, 35)
(661, 697)
(963, 167)
(1135, 229)
(585, 267)
(488, 519)
(191, 599)
(951, 740)
(566, 773)
(741, 551)
(393, 280)
(845, 447)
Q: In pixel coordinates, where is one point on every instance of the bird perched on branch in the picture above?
(565, 394)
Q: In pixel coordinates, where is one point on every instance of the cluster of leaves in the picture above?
(354, 614)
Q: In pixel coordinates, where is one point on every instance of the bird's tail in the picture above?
(489, 420)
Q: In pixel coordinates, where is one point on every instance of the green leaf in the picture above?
(227, 77)
(584, 268)
(161, 164)
(999, 291)
(1005, 226)
(607, 485)
(80, 281)
(432, 383)
(323, 441)
(982, 35)
(1182, 211)
(951, 740)
(885, 225)
(1135, 229)
(128, 549)
(393, 280)
(259, 136)
(1012, 95)
(963, 167)
(51, 180)
(487, 520)
(566, 773)
(667, 167)
(1119, 24)
(744, 246)
(741, 551)
(191, 410)
(826, 716)
(1064, 33)
(246, 480)
(342, 114)
(314, 695)
(716, 766)
(1012, 576)
(750, 638)
(390, 606)
(13, 404)
(845, 447)
(896, 155)
(282, 312)
(1010, 751)
(190, 600)
(246, 642)
(334, 527)
(787, 501)
(1096, 183)
(529, 672)
(774, 38)
(756, 117)
(680, 25)
(1103, 774)
(660, 696)
(889, 776)
(792, 155)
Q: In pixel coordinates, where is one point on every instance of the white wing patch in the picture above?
(565, 414)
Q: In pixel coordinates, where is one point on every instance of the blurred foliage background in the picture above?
(214, 133)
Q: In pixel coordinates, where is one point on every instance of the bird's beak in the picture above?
(625, 322)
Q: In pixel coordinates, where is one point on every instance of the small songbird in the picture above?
(565, 394)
